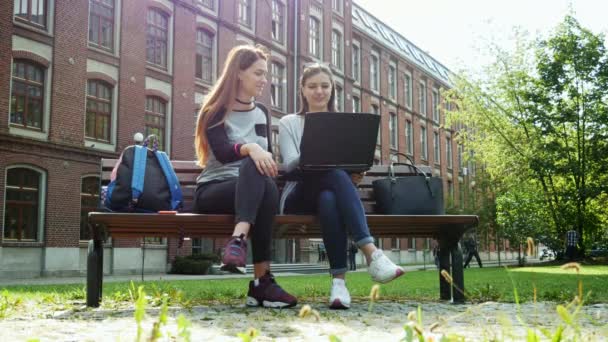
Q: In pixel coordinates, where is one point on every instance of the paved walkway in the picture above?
(155, 277)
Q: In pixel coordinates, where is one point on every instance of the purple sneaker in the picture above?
(235, 255)
(269, 294)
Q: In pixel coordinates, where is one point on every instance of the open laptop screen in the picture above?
(339, 140)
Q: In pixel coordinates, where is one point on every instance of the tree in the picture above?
(538, 122)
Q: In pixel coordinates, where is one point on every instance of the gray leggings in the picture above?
(251, 197)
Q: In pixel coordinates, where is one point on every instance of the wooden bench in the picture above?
(447, 229)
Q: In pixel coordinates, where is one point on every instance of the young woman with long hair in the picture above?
(332, 194)
(232, 142)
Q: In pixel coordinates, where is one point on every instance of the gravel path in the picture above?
(384, 322)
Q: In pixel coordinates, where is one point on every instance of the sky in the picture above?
(453, 31)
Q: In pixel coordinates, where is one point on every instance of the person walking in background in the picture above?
(352, 255)
(571, 244)
(471, 245)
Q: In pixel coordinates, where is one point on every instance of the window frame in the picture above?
(422, 105)
(85, 210)
(100, 19)
(278, 15)
(336, 48)
(409, 137)
(392, 81)
(424, 149)
(278, 86)
(155, 38)
(162, 127)
(356, 61)
(28, 84)
(407, 88)
(99, 100)
(314, 36)
(41, 202)
(28, 18)
(448, 152)
(436, 148)
(393, 127)
(435, 104)
(246, 5)
(200, 58)
(374, 72)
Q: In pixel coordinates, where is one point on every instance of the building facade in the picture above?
(79, 78)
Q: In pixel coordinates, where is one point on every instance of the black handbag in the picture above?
(418, 194)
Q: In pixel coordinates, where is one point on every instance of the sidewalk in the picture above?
(159, 277)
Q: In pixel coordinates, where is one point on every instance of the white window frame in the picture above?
(337, 55)
(170, 39)
(422, 98)
(374, 71)
(409, 137)
(282, 31)
(338, 6)
(117, 21)
(356, 61)
(436, 148)
(112, 72)
(356, 105)
(278, 90)
(407, 88)
(339, 97)
(50, 20)
(435, 104)
(393, 126)
(392, 81)
(424, 149)
(251, 5)
(315, 44)
(41, 201)
(448, 151)
(165, 88)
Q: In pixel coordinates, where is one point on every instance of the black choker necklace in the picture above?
(243, 102)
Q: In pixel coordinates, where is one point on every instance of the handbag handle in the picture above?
(391, 173)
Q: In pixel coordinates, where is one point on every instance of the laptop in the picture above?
(339, 141)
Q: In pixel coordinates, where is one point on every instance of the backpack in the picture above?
(144, 181)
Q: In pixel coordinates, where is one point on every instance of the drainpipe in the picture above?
(296, 45)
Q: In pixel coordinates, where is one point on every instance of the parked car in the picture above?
(547, 254)
(598, 251)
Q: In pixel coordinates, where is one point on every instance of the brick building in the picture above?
(79, 78)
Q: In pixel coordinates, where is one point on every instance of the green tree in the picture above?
(538, 122)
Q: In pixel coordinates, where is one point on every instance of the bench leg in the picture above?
(444, 264)
(94, 272)
(457, 275)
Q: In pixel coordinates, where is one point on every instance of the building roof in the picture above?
(382, 33)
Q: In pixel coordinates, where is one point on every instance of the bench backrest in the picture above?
(188, 171)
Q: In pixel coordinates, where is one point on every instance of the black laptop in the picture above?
(339, 141)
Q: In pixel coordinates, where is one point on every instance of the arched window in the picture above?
(89, 201)
(22, 214)
(27, 96)
(157, 37)
(156, 114)
(99, 111)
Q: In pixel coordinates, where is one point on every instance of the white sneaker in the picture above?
(339, 298)
(382, 269)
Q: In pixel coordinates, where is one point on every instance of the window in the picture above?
(423, 146)
(336, 48)
(422, 98)
(448, 152)
(356, 67)
(339, 98)
(460, 159)
(407, 80)
(336, 5)
(392, 84)
(244, 12)
(409, 137)
(208, 4)
(157, 35)
(99, 111)
(356, 104)
(204, 56)
(156, 112)
(101, 24)
(375, 110)
(374, 74)
(314, 36)
(278, 21)
(89, 201)
(22, 216)
(393, 128)
(436, 147)
(31, 11)
(435, 105)
(27, 96)
(277, 87)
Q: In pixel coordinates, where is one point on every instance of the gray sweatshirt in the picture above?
(291, 128)
(225, 141)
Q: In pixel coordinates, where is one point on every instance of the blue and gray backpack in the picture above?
(144, 181)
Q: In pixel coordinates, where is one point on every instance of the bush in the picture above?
(194, 264)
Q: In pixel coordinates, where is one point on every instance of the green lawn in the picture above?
(487, 284)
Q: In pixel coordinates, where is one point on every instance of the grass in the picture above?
(487, 284)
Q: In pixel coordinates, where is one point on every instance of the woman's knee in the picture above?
(271, 191)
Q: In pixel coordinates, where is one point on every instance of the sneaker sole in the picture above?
(338, 305)
(277, 305)
(233, 269)
(398, 273)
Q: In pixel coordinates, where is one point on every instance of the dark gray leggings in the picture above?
(251, 197)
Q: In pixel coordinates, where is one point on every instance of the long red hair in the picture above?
(219, 100)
